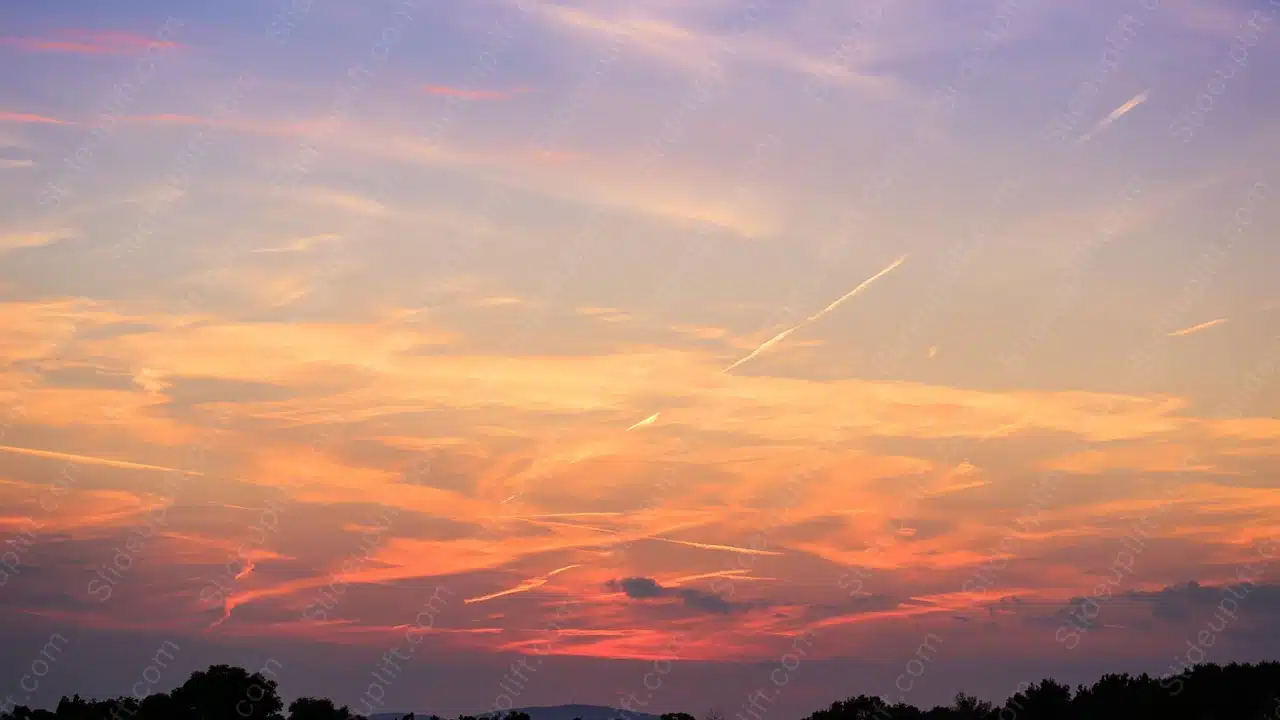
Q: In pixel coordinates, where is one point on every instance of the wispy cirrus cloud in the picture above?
(666, 34)
(359, 318)
(87, 42)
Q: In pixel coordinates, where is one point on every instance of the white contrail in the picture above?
(1115, 115)
(855, 291)
(92, 460)
(782, 335)
(647, 421)
(767, 344)
(301, 244)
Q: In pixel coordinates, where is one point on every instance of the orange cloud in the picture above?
(1155, 458)
(83, 510)
(11, 241)
(587, 498)
(446, 91)
(88, 42)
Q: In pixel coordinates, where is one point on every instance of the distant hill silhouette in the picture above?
(569, 712)
(552, 712)
(1202, 692)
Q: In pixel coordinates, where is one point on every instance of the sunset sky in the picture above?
(401, 297)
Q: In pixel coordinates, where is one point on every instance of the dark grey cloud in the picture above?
(856, 605)
(643, 588)
(1186, 603)
(708, 602)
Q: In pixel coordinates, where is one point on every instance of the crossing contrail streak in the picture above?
(782, 335)
(735, 574)
(570, 514)
(527, 585)
(712, 546)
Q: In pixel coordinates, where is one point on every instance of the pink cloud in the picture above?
(447, 91)
(257, 127)
(87, 42)
(170, 119)
(30, 118)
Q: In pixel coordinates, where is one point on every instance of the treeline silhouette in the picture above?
(1203, 692)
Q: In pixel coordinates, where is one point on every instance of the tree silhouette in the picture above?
(224, 692)
(969, 707)
(1046, 700)
(862, 707)
(321, 709)
(159, 706)
(22, 712)
(1203, 692)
